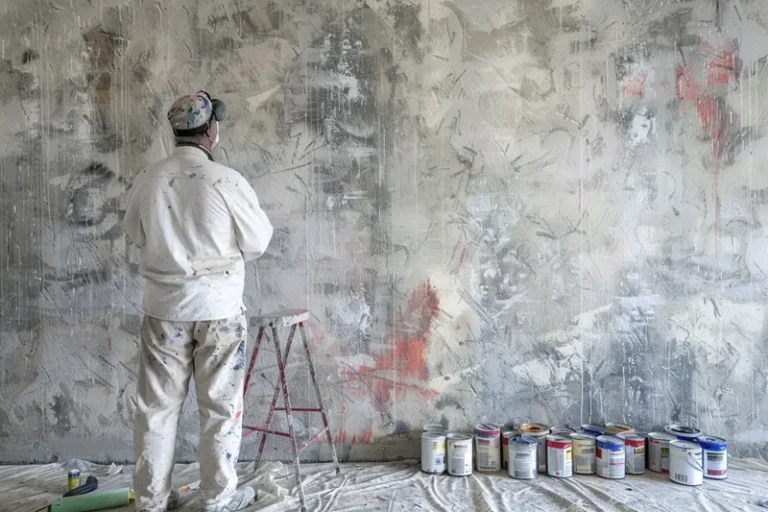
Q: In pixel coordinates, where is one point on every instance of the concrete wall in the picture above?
(546, 210)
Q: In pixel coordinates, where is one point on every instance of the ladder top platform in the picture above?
(285, 317)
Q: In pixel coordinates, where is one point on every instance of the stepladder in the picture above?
(270, 326)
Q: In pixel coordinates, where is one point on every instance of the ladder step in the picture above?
(299, 409)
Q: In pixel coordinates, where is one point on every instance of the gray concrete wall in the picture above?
(546, 210)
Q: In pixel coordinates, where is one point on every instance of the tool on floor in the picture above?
(92, 501)
(287, 319)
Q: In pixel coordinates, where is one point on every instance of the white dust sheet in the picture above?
(402, 487)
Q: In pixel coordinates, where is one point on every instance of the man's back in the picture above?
(196, 222)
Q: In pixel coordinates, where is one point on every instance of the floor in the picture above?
(402, 487)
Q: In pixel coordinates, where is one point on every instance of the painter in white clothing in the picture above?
(197, 223)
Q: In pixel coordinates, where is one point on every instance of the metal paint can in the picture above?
(617, 428)
(433, 427)
(459, 448)
(595, 430)
(683, 432)
(488, 447)
(583, 453)
(634, 453)
(714, 457)
(658, 451)
(506, 435)
(559, 456)
(540, 432)
(610, 457)
(522, 454)
(433, 452)
(561, 430)
(685, 463)
(73, 479)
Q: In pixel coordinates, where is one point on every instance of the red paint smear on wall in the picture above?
(722, 69)
(403, 368)
(635, 85)
(687, 89)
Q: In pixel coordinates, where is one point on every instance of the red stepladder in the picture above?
(268, 326)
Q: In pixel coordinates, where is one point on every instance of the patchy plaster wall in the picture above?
(531, 209)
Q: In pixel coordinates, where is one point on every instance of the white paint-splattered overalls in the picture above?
(172, 352)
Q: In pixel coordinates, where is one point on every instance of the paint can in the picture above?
(459, 448)
(561, 430)
(714, 457)
(540, 433)
(434, 427)
(506, 435)
(559, 456)
(683, 432)
(73, 479)
(617, 428)
(522, 457)
(634, 453)
(685, 462)
(610, 457)
(433, 452)
(595, 430)
(658, 451)
(488, 447)
(583, 453)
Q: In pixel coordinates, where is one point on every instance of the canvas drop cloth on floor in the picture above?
(402, 487)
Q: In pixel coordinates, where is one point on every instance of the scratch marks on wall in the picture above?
(526, 210)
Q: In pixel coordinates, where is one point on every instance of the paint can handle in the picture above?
(691, 460)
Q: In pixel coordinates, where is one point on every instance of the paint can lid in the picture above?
(458, 437)
(533, 429)
(487, 427)
(712, 443)
(660, 436)
(519, 439)
(507, 434)
(683, 431)
(433, 427)
(434, 436)
(600, 429)
(610, 441)
(616, 428)
(559, 439)
(562, 429)
(687, 446)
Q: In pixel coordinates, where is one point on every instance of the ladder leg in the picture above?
(253, 360)
(303, 332)
(271, 412)
(288, 412)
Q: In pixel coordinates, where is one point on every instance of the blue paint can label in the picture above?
(714, 457)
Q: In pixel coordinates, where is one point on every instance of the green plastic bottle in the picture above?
(93, 501)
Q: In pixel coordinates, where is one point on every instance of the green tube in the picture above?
(93, 501)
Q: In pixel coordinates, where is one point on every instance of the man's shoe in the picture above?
(240, 500)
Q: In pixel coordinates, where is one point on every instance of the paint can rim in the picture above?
(433, 435)
(683, 431)
(631, 437)
(453, 436)
(609, 440)
(533, 429)
(661, 436)
(682, 444)
(583, 436)
(712, 443)
(523, 439)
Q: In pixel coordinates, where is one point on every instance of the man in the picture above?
(196, 222)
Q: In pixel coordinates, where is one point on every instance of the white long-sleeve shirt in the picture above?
(196, 223)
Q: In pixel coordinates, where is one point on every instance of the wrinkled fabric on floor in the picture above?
(402, 486)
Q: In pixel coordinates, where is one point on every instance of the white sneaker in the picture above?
(239, 501)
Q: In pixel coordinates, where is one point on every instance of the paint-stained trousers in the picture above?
(171, 352)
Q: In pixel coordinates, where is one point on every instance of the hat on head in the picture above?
(190, 115)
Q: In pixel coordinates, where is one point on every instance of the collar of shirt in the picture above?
(193, 151)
